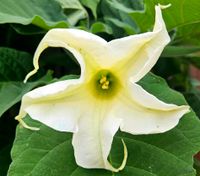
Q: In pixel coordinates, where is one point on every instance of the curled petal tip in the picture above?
(187, 108)
(124, 160)
(25, 80)
(164, 6)
(31, 73)
(125, 156)
(19, 118)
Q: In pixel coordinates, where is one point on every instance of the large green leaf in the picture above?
(74, 10)
(99, 27)
(188, 34)
(116, 14)
(11, 92)
(45, 14)
(50, 153)
(92, 5)
(179, 51)
(178, 14)
(14, 65)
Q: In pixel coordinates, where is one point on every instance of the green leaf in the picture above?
(177, 51)
(122, 27)
(50, 153)
(99, 27)
(92, 5)
(45, 14)
(28, 29)
(14, 65)
(11, 92)
(188, 34)
(74, 10)
(178, 14)
(116, 14)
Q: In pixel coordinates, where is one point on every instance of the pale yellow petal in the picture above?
(55, 104)
(92, 142)
(87, 48)
(141, 97)
(135, 55)
(143, 113)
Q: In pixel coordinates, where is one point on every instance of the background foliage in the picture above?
(22, 26)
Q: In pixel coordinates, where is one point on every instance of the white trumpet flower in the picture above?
(106, 97)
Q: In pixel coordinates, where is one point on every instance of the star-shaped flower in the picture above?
(106, 97)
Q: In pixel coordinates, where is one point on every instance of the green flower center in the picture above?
(105, 84)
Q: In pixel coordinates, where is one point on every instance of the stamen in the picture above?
(104, 82)
(104, 86)
(107, 83)
(103, 79)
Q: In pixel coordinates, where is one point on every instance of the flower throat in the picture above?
(105, 84)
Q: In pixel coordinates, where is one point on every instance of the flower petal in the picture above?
(68, 106)
(145, 114)
(145, 99)
(135, 55)
(54, 104)
(88, 49)
(92, 142)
